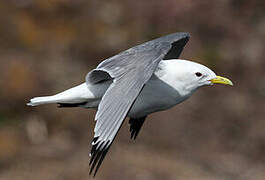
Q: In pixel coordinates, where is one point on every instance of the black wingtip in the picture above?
(97, 154)
(104, 152)
(178, 35)
(135, 126)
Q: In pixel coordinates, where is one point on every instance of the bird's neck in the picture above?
(167, 72)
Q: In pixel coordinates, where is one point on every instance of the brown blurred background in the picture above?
(47, 46)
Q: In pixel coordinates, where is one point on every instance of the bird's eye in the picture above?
(198, 74)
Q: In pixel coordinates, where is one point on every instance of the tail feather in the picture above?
(77, 95)
(42, 100)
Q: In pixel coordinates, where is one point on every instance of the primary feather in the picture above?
(130, 71)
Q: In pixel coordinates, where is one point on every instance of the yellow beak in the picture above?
(221, 80)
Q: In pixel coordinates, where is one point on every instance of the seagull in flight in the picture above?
(134, 83)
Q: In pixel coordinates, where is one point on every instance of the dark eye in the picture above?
(198, 74)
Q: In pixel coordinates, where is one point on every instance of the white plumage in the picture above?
(173, 82)
(134, 83)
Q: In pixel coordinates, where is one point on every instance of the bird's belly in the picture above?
(155, 96)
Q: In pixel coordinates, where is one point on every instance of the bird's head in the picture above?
(190, 75)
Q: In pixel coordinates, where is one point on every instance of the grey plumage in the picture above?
(129, 71)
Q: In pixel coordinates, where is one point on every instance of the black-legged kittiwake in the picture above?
(134, 83)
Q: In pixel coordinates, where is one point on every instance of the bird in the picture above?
(139, 81)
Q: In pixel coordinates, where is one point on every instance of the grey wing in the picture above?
(130, 70)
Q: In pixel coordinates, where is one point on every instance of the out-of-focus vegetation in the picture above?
(47, 46)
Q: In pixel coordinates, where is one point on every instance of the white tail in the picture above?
(42, 100)
(77, 94)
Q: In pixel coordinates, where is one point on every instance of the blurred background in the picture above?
(47, 46)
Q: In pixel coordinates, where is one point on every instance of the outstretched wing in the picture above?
(129, 70)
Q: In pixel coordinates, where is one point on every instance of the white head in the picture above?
(187, 76)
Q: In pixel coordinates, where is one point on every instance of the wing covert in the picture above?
(130, 70)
